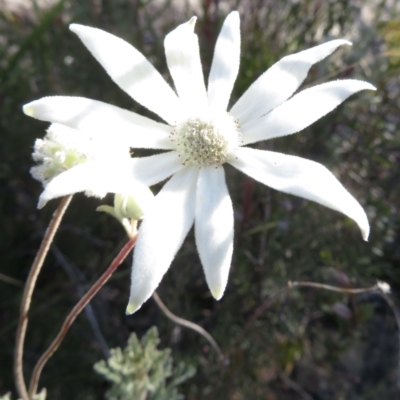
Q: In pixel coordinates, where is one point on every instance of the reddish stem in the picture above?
(75, 312)
(27, 295)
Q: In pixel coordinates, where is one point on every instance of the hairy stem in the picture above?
(27, 296)
(76, 311)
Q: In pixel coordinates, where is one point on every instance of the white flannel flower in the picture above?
(63, 148)
(201, 136)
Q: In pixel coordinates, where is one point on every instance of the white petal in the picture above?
(154, 169)
(225, 64)
(280, 81)
(131, 71)
(183, 59)
(112, 177)
(98, 118)
(214, 228)
(94, 176)
(161, 235)
(302, 178)
(301, 110)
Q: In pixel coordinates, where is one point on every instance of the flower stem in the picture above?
(27, 295)
(75, 312)
(191, 325)
(316, 285)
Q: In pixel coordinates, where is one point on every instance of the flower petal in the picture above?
(280, 81)
(303, 178)
(301, 110)
(225, 64)
(94, 176)
(131, 71)
(154, 169)
(214, 228)
(111, 177)
(183, 59)
(161, 235)
(98, 118)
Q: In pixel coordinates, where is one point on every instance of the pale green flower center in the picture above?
(206, 141)
(63, 148)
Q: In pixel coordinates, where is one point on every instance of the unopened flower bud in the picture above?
(130, 207)
(133, 206)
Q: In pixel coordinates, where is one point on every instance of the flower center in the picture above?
(206, 141)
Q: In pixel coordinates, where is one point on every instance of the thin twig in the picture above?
(27, 295)
(267, 303)
(10, 280)
(76, 311)
(381, 288)
(190, 325)
(374, 288)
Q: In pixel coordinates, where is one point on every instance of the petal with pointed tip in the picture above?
(214, 228)
(98, 118)
(112, 177)
(94, 176)
(131, 71)
(301, 110)
(183, 59)
(301, 177)
(161, 235)
(280, 81)
(225, 63)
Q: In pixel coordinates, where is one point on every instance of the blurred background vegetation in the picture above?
(307, 343)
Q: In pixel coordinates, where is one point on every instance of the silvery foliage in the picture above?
(142, 372)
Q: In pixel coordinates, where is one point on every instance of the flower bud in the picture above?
(130, 207)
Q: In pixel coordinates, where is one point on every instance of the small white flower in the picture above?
(202, 136)
(64, 148)
(383, 286)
